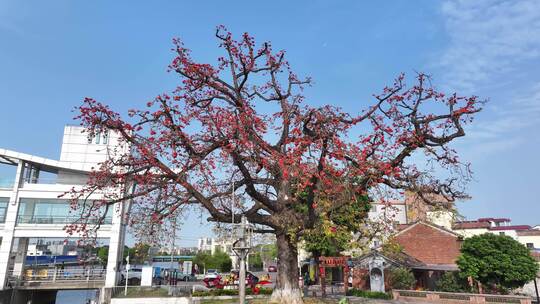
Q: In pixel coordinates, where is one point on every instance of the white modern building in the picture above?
(525, 234)
(212, 245)
(30, 206)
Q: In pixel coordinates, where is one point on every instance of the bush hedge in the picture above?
(369, 294)
(401, 278)
(451, 282)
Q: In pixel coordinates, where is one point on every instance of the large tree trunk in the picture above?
(316, 255)
(287, 290)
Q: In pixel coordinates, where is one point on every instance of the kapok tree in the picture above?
(243, 126)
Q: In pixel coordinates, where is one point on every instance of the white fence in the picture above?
(58, 274)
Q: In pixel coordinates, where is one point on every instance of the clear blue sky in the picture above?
(54, 53)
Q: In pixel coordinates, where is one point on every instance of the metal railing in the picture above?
(41, 180)
(57, 275)
(36, 219)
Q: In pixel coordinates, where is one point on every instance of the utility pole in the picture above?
(536, 290)
(171, 267)
(241, 247)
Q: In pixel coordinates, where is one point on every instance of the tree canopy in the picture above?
(219, 260)
(241, 125)
(497, 261)
(334, 231)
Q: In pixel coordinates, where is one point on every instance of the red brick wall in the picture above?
(429, 245)
(360, 278)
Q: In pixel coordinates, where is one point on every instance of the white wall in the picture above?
(76, 147)
(524, 239)
(441, 218)
(471, 232)
(381, 212)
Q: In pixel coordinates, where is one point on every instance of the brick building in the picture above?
(436, 247)
(428, 250)
(429, 243)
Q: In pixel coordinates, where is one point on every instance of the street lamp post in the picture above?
(128, 266)
(241, 248)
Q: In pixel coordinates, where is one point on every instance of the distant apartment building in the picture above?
(525, 234)
(30, 206)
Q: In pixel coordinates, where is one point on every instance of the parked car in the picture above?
(134, 276)
(186, 277)
(251, 279)
(211, 274)
(213, 281)
(272, 268)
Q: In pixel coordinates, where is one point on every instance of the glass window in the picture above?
(98, 135)
(3, 208)
(105, 137)
(50, 211)
(530, 245)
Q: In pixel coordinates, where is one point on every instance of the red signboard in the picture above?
(333, 261)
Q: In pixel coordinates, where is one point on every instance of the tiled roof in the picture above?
(515, 227)
(443, 267)
(400, 227)
(531, 232)
(471, 225)
(425, 223)
(493, 219)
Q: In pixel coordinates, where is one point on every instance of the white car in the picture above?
(134, 275)
(211, 274)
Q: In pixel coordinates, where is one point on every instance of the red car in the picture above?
(272, 269)
(213, 282)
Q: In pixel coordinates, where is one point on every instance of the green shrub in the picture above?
(401, 278)
(451, 282)
(369, 294)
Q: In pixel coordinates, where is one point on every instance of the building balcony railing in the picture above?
(40, 180)
(33, 219)
(28, 182)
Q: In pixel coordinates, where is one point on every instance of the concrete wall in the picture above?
(411, 296)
